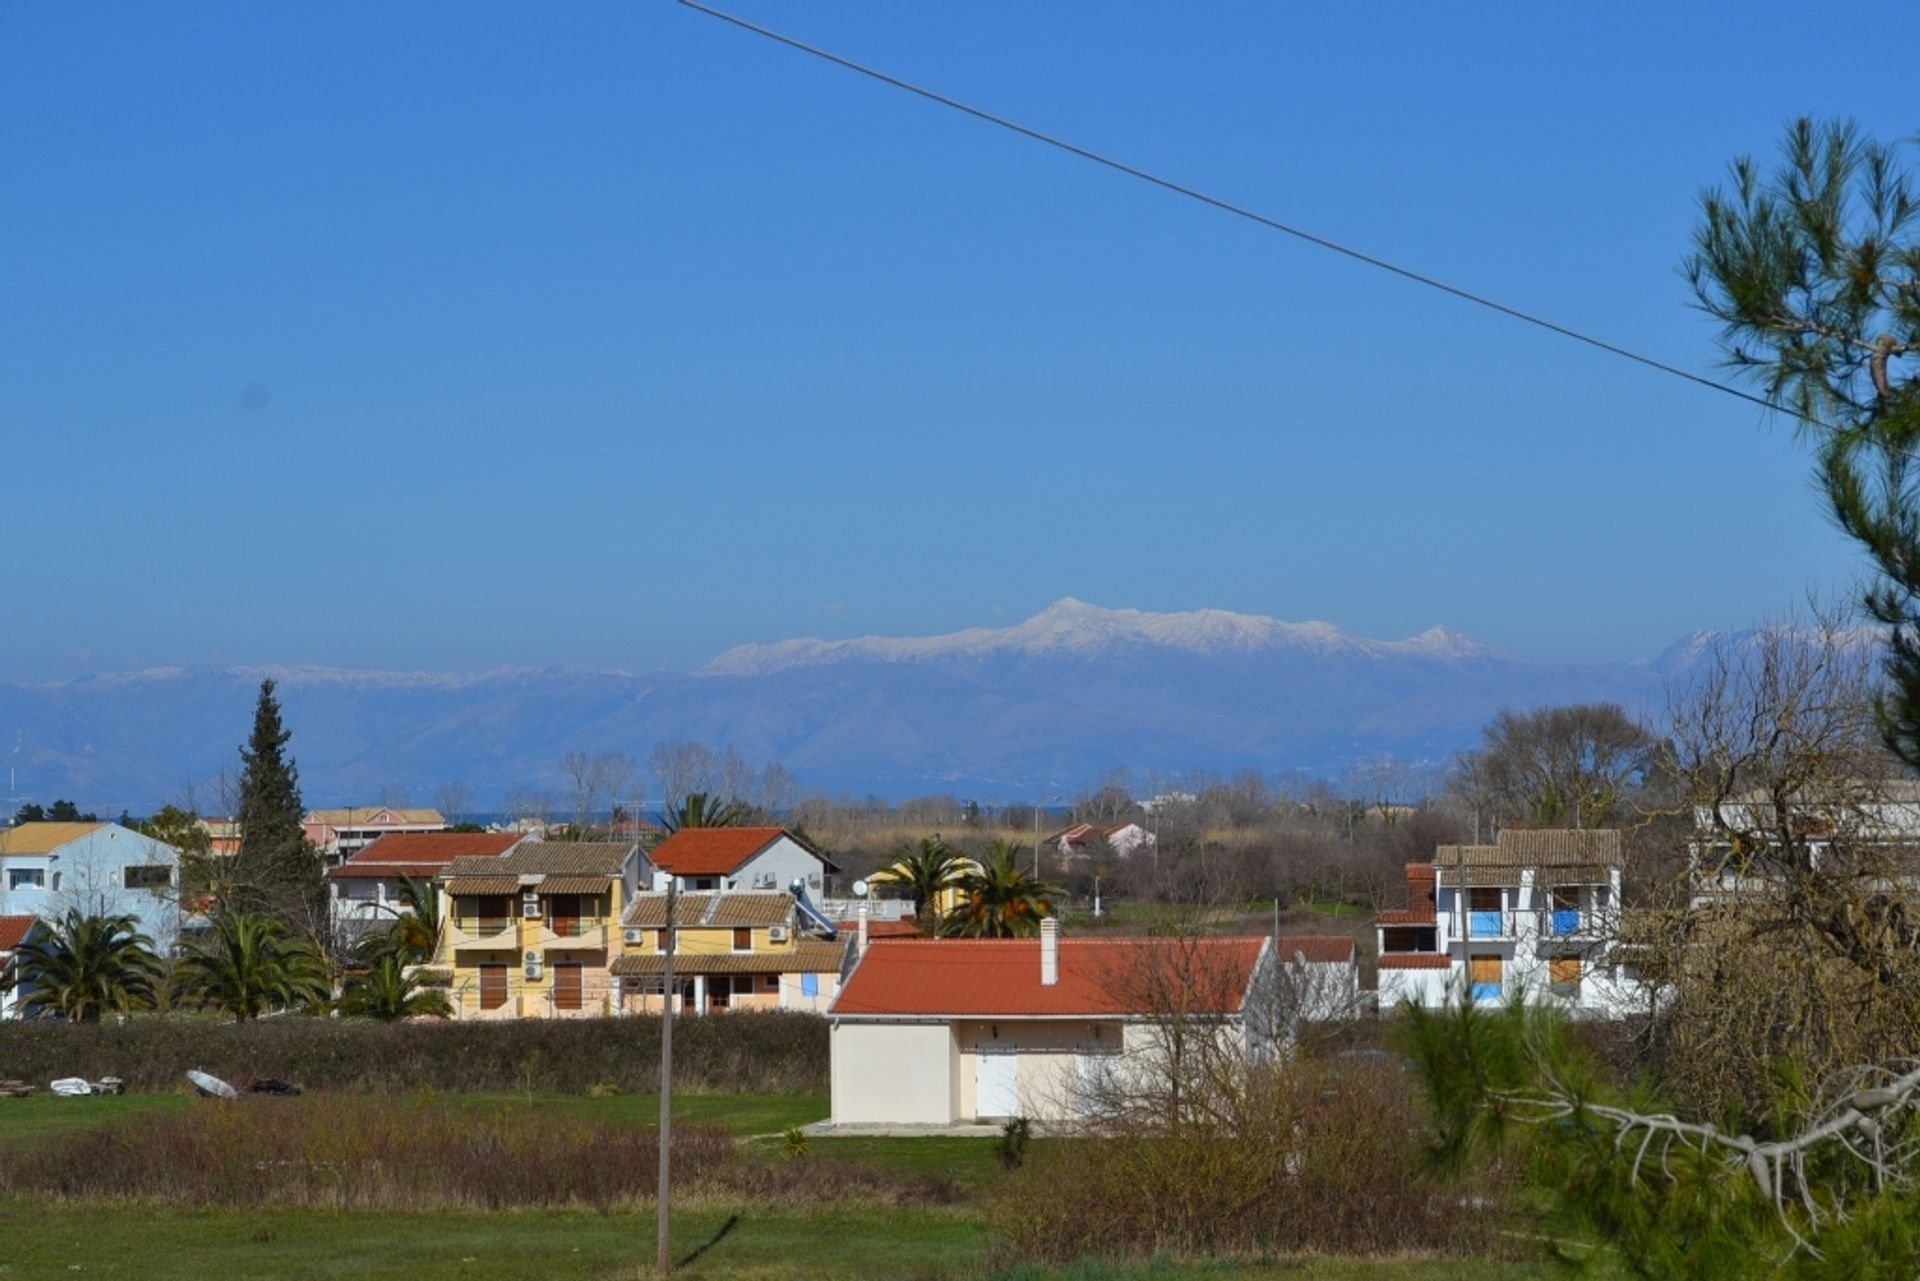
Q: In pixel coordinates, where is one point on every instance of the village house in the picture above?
(534, 932)
(1535, 917)
(1082, 839)
(14, 931)
(364, 891)
(47, 869)
(738, 858)
(752, 950)
(930, 1032)
(339, 834)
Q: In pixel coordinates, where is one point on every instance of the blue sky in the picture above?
(604, 334)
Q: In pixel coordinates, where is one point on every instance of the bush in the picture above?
(1318, 1158)
(372, 1152)
(734, 1053)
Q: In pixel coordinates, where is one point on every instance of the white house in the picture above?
(46, 869)
(929, 1032)
(1535, 916)
(14, 931)
(1124, 839)
(1317, 976)
(364, 891)
(339, 834)
(738, 858)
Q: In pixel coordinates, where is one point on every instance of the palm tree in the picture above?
(998, 900)
(390, 990)
(87, 966)
(253, 965)
(702, 810)
(925, 873)
(416, 935)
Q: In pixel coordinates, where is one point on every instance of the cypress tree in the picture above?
(277, 870)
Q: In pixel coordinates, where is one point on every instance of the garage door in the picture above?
(996, 1085)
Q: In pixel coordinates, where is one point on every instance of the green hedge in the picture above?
(733, 1053)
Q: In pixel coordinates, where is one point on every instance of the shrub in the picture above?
(373, 1152)
(734, 1053)
(1309, 1157)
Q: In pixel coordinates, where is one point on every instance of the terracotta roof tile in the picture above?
(810, 956)
(549, 858)
(715, 911)
(711, 851)
(1319, 949)
(980, 977)
(402, 853)
(14, 931)
(1414, 961)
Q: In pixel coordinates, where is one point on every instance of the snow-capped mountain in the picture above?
(1072, 628)
(988, 712)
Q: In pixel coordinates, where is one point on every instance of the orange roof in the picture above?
(14, 931)
(1320, 949)
(711, 851)
(422, 853)
(1419, 909)
(1415, 960)
(1098, 977)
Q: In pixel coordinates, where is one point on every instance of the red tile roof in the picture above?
(1414, 961)
(14, 931)
(1098, 977)
(1320, 949)
(711, 851)
(1419, 909)
(422, 853)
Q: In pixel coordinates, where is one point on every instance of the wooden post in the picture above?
(666, 1080)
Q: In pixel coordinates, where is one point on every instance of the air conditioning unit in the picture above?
(636, 936)
(530, 906)
(776, 934)
(534, 965)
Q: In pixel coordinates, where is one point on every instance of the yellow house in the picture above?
(533, 933)
(732, 951)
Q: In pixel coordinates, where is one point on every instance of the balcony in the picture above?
(1576, 924)
(1496, 926)
(475, 934)
(589, 935)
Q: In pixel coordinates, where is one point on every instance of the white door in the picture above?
(996, 1089)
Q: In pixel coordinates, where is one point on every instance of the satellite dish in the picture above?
(859, 889)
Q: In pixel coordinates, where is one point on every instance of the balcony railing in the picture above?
(588, 934)
(1489, 925)
(473, 932)
(1577, 924)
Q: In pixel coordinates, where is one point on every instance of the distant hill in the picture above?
(986, 713)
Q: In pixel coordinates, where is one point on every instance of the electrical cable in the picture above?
(1239, 211)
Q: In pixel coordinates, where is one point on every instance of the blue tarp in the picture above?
(809, 985)
(1486, 991)
(1565, 920)
(1483, 925)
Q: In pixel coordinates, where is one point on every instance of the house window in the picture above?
(1409, 938)
(1485, 974)
(660, 940)
(493, 986)
(1563, 974)
(151, 876)
(26, 878)
(742, 939)
(772, 982)
(706, 882)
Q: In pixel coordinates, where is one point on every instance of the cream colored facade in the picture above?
(732, 951)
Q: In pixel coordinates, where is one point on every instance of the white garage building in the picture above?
(930, 1032)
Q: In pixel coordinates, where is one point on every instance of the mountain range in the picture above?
(1044, 705)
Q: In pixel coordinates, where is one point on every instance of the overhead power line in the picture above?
(1227, 206)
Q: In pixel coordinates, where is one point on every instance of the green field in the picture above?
(711, 1238)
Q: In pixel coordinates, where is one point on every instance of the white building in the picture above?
(929, 1032)
(364, 891)
(104, 869)
(1535, 916)
(738, 858)
(14, 931)
(1124, 839)
(341, 833)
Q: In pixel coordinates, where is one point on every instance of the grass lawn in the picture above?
(152, 1244)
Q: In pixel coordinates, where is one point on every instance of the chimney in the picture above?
(860, 948)
(1049, 952)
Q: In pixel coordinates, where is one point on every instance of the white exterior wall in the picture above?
(774, 868)
(1427, 988)
(1049, 1057)
(89, 874)
(793, 994)
(892, 1073)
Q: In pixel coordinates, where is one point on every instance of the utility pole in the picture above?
(666, 1077)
